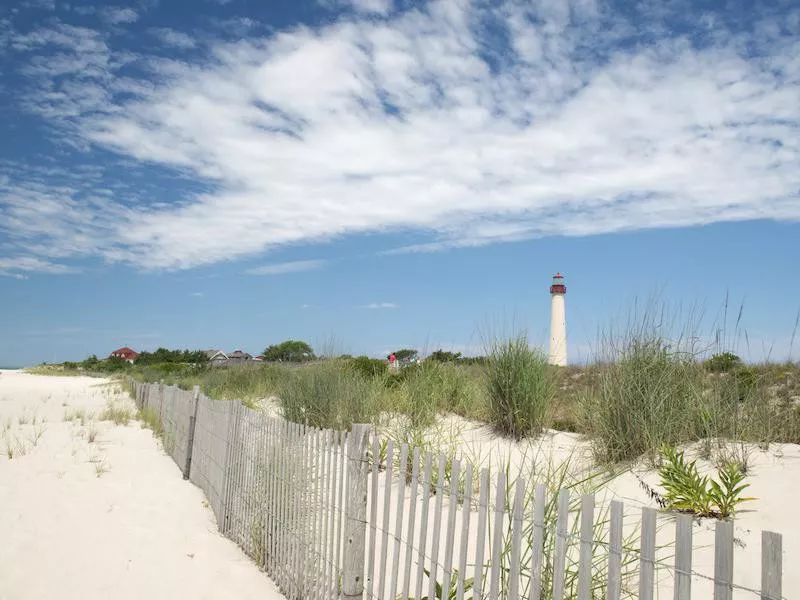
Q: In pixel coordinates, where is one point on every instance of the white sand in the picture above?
(136, 531)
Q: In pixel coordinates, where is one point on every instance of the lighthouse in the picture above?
(558, 322)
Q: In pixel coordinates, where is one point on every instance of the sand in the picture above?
(109, 518)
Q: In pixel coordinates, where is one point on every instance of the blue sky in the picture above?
(369, 174)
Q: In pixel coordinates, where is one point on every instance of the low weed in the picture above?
(150, 420)
(117, 413)
(100, 465)
(688, 491)
(91, 434)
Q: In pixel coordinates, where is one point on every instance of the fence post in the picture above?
(771, 566)
(723, 560)
(355, 533)
(187, 468)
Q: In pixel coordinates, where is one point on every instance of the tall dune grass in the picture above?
(519, 388)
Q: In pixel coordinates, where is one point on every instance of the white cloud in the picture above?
(115, 15)
(174, 38)
(380, 305)
(287, 267)
(17, 267)
(197, 294)
(579, 127)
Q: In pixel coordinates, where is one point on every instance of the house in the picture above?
(238, 356)
(125, 353)
(217, 357)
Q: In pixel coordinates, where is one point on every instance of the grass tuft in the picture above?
(117, 413)
(519, 388)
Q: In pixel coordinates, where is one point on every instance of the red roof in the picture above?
(125, 353)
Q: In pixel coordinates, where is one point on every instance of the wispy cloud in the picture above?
(575, 122)
(18, 267)
(116, 15)
(197, 294)
(287, 267)
(380, 305)
(173, 38)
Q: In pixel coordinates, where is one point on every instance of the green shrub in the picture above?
(649, 396)
(433, 387)
(687, 490)
(723, 363)
(328, 395)
(519, 388)
(369, 367)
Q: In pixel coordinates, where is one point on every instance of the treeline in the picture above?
(163, 355)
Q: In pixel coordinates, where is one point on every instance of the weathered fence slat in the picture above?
(375, 463)
(447, 565)
(723, 560)
(356, 517)
(437, 527)
(683, 557)
(771, 566)
(466, 510)
(387, 505)
(423, 530)
(398, 524)
(537, 542)
(516, 540)
(585, 557)
(190, 433)
(412, 515)
(343, 441)
(560, 559)
(647, 554)
(329, 514)
(497, 536)
(483, 515)
(614, 588)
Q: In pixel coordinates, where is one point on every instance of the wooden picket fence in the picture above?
(331, 514)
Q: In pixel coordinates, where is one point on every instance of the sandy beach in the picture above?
(91, 509)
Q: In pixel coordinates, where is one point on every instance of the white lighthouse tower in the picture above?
(558, 322)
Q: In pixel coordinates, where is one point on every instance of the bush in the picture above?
(369, 367)
(687, 491)
(519, 388)
(723, 363)
(432, 387)
(289, 351)
(649, 396)
(328, 395)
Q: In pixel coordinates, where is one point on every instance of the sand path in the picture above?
(108, 518)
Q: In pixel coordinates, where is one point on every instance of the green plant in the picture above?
(650, 393)
(723, 362)
(120, 415)
(519, 388)
(368, 367)
(450, 593)
(150, 420)
(289, 351)
(328, 395)
(687, 490)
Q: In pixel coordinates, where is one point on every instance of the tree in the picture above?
(405, 354)
(444, 356)
(289, 351)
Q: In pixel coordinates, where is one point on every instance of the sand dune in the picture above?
(108, 518)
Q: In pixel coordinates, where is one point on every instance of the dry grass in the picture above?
(116, 412)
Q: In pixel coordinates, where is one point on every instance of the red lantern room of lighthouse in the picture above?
(558, 286)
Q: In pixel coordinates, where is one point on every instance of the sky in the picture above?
(376, 174)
